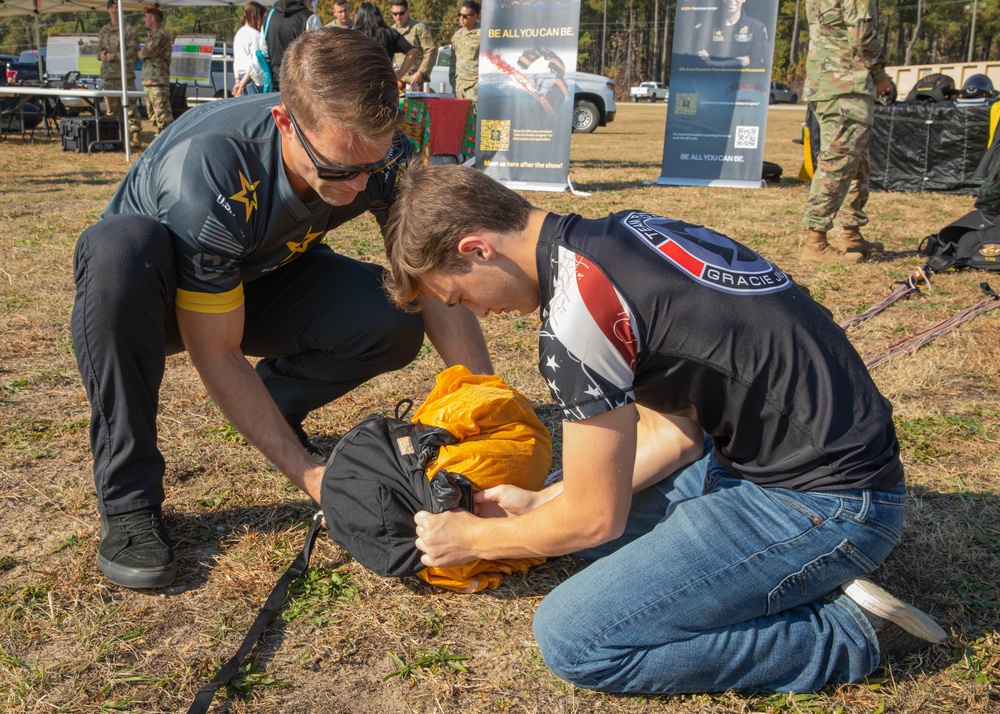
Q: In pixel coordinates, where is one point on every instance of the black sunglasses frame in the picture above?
(325, 172)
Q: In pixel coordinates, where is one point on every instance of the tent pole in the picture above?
(38, 44)
(124, 62)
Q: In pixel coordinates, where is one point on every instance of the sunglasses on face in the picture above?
(343, 173)
(399, 14)
(461, 15)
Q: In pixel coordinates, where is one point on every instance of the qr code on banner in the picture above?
(495, 135)
(746, 137)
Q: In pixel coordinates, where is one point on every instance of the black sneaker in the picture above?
(317, 454)
(136, 551)
(901, 628)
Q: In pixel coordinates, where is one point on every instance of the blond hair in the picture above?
(435, 207)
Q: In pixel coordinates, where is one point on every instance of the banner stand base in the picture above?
(537, 186)
(574, 191)
(723, 183)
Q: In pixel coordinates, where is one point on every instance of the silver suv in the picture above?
(593, 98)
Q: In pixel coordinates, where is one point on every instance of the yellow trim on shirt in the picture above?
(210, 303)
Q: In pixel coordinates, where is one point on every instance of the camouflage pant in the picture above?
(158, 105)
(840, 181)
(467, 89)
(115, 104)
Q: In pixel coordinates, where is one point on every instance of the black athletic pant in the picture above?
(323, 322)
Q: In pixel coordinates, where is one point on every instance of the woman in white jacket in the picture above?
(247, 41)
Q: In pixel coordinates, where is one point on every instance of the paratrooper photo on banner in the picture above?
(525, 106)
(720, 74)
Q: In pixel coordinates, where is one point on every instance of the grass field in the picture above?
(348, 641)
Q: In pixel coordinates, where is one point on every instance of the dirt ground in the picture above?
(349, 641)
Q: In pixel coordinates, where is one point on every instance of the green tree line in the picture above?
(628, 40)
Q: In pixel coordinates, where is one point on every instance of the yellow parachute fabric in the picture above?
(502, 441)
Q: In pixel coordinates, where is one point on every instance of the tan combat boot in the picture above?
(817, 250)
(851, 241)
(136, 141)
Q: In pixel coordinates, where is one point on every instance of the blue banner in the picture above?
(720, 78)
(525, 108)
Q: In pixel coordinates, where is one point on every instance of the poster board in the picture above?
(191, 59)
(720, 75)
(72, 53)
(525, 107)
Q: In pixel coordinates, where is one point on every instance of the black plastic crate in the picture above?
(81, 134)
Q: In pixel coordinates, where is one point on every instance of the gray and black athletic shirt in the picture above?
(216, 181)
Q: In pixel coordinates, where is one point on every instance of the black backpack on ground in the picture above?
(973, 241)
(375, 482)
(771, 172)
(932, 88)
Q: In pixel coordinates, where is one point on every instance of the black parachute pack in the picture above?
(375, 481)
(973, 241)
(932, 88)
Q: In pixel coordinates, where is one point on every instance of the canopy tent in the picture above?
(35, 7)
(10, 8)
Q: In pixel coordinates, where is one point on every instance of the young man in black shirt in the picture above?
(728, 462)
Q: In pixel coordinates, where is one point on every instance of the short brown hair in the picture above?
(344, 77)
(435, 207)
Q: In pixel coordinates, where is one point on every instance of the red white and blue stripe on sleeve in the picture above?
(588, 342)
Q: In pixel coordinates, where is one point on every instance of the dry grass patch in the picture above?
(349, 641)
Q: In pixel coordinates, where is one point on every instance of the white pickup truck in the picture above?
(651, 91)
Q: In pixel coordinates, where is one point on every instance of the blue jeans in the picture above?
(720, 584)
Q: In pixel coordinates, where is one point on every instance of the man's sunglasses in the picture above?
(344, 173)
(399, 14)
(462, 14)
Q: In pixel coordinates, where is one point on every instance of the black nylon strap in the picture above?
(203, 700)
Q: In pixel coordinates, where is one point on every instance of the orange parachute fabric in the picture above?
(502, 441)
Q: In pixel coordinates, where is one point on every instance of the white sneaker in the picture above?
(900, 627)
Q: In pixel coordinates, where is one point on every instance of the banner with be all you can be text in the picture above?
(525, 108)
(720, 78)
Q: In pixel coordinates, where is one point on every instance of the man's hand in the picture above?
(506, 500)
(444, 537)
(417, 78)
(883, 87)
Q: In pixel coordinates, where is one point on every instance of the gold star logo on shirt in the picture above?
(247, 195)
(301, 246)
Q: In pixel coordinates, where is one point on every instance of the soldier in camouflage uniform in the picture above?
(846, 72)
(463, 69)
(155, 56)
(418, 35)
(341, 15)
(111, 71)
